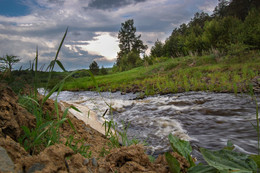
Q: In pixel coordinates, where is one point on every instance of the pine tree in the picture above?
(128, 41)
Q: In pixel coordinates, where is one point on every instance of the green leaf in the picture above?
(229, 160)
(173, 163)
(72, 126)
(229, 146)
(76, 109)
(60, 88)
(182, 147)
(44, 125)
(256, 158)
(40, 135)
(65, 112)
(61, 43)
(61, 66)
(56, 106)
(202, 169)
(26, 131)
(61, 121)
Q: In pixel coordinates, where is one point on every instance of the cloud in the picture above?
(111, 4)
(102, 45)
(93, 27)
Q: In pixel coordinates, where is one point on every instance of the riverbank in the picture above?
(66, 155)
(236, 74)
(86, 115)
(206, 119)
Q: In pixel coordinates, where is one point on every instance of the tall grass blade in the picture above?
(26, 130)
(257, 127)
(56, 87)
(35, 73)
(40, 135)
(29, 99)
(72, 126)
(65, 112)
(52, 64)
(94, 80)
(76, 109)
(61, 121)
(56, 106)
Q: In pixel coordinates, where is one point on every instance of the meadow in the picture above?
(172, 75)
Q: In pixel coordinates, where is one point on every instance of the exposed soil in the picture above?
(61, 158)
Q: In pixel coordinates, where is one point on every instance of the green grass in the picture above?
(47, 128)
(228, 74)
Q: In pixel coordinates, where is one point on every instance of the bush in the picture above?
(103, 71)
(129, 61)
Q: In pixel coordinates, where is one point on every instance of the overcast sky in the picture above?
(93, 27)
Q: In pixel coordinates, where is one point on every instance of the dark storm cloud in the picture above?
(150, 42)
(76, 33)
(105, 4)
(14, 47)
(59, 2)
(78, 59)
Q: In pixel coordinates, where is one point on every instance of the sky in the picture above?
(93, 26)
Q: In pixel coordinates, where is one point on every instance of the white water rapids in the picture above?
(208, 120)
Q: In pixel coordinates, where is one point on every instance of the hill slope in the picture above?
(205, 73)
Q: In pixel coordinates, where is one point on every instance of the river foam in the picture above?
(208, 120)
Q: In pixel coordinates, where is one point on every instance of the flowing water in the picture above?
(208, 120)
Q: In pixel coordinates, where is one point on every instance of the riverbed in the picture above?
(205, 119)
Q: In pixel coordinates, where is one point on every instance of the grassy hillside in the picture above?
(211, 72)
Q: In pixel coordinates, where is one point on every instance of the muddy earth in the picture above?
(61, 158)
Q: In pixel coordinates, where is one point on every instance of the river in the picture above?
(206, 119)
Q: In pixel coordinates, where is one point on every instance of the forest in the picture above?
(234, 27)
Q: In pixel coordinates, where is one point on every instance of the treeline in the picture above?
(232, 28)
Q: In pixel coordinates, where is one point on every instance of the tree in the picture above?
(7, 62)
(241, 8)
(252, 29)
(157, 49)
(103, 71)
(193, 40)
(199, 19)
(221, 9)
(235, 8)
(94, 68)
(129, 42)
